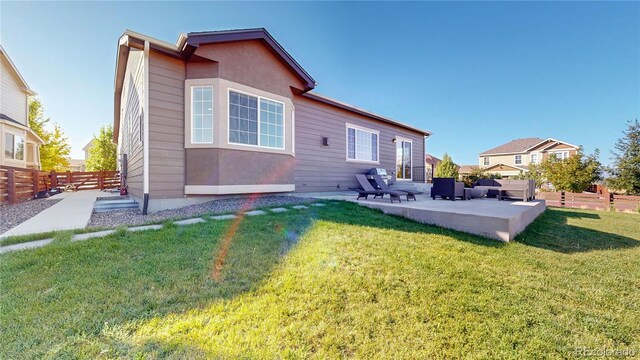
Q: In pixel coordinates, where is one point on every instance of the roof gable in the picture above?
(16, 74)
(196, 39)
(513, 146)
(503, 167)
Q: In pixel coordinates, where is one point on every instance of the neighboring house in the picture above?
(76, 165)
(86, 149)
(466, 170)
(20, 145)
(515, 156)
(431, 162)
(231, 112)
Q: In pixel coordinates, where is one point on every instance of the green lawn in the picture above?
(338, 281)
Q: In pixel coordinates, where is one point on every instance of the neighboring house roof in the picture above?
(466, 169)
(76, 162)
(503, 167)
(431, 160)
(524, 145)
(16, 73)
(22, 126)
(514, 146)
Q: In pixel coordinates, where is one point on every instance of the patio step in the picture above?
(108, 205)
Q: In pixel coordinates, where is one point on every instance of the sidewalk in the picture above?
(72, 212)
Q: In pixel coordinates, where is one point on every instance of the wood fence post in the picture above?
(101, 180)
(54, 179)
(34, 176)
(562, 202)
(11, 186)
(69, 177)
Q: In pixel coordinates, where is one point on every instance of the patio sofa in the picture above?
(447, 188)
(504, 188)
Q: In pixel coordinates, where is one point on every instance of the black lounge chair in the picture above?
(384, 187)
(368, 189)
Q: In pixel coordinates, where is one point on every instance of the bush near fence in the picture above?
(18, 184)
(605, 201)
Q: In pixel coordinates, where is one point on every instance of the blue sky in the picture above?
(475, 74)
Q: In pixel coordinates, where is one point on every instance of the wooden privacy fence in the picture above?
(591, 201)
(17, 184)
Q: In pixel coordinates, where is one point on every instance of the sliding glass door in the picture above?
(403, 160)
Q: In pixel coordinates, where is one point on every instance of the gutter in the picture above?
(145, 132)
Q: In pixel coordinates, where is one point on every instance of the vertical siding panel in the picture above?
(166, 123)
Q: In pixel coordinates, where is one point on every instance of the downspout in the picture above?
(145, 120)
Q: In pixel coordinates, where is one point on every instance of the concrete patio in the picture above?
(500, 220)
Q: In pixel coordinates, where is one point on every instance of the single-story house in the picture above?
(20, 145)
(231, 112)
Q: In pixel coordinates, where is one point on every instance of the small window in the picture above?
(362, 144)
(561, 155)
(518, 160)
(534, 158)
(13, 147)
(254, 120)
(202, 114)
(485, 161)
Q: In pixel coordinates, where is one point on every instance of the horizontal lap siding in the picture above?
(166, 122)
(14, 99)
(130, 142)
(324, 168)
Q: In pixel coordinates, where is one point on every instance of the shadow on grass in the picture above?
(553, 231)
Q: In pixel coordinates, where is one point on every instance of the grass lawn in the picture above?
(337, 281)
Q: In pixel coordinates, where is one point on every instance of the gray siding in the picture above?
(166, 123)
(130, 141)
(325, 168)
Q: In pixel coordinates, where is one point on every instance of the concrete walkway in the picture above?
(72, 212)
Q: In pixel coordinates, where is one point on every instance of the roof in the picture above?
(357, 110)
(22, 126)
(466, 169)
(504, 167)
(432, 160)
(186, 46)
(17, 74)
(514, 146)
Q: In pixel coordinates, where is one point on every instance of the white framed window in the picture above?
(561, 155)
(255, 120)
(534, 158)
(13, 146)
(517, 160)
(362, 144)
(485, 161)
(202, 114)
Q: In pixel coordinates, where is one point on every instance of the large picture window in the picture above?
(362, 144)
(202, 114)
(254, 120)
(13, 147)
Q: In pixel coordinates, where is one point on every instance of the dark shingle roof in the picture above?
(514, 146)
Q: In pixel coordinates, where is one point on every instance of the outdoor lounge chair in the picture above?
(368, 189)
(447, 188)
(384, 187)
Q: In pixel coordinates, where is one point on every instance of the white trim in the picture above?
(293, 132)
(213, 120)
(145, 119)
(15, 148)
(284, 120)
(237, 189)
(537, 154)
(400, 138)
(552, 140)
(357, 127)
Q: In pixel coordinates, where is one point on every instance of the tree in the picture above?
(473, 176)
(626, 162)
(54, 153)
(103, 153)
(534, 173)
(574, 174)
(446, 168)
